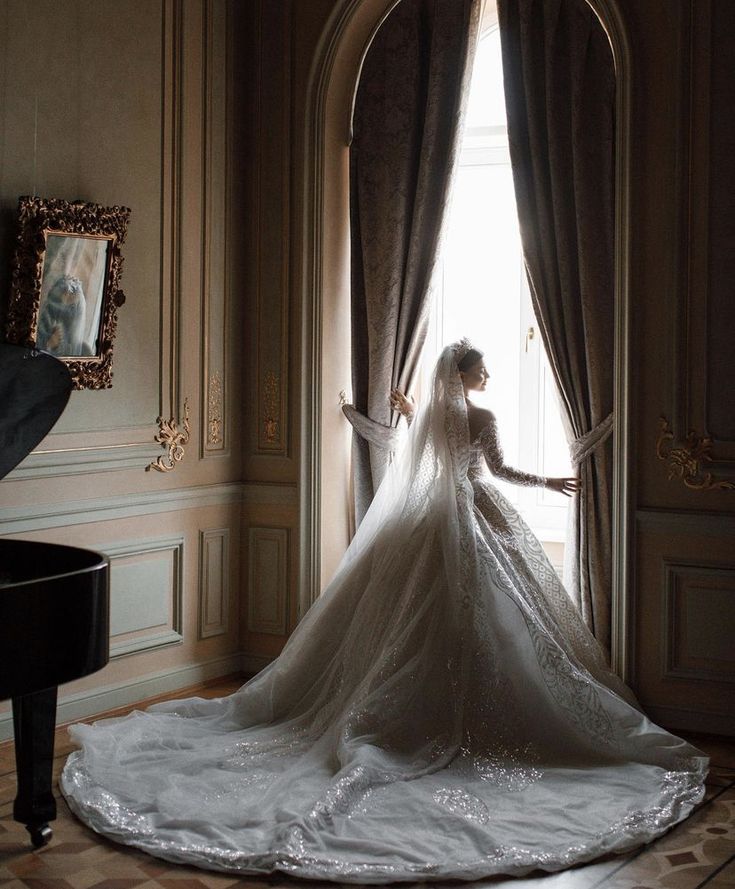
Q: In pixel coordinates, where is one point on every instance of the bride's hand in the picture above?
(400, 403)
(566, 486)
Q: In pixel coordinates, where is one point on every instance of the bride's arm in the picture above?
(405, 406)
(490, 444)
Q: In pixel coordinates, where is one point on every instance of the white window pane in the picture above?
(486, 102)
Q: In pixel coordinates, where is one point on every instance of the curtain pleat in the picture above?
(406, 125)
(560, 98)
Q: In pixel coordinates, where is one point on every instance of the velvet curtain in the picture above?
(560, 98)
(406, 125)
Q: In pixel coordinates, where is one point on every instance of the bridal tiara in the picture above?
(462, 348)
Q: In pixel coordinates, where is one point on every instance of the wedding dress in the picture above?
(440, 712)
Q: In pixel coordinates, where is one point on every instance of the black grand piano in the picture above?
(54, 622)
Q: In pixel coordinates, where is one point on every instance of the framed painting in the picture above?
(65, 285)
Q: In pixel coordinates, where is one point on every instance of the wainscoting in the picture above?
(685, 619)
(174, 562)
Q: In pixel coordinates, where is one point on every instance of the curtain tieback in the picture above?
(584, 446)
(385, 437)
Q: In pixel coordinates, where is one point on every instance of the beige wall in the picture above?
(129, 103)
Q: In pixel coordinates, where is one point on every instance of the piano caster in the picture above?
(40, 835)
(34, 719)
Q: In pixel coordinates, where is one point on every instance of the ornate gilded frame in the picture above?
(90, 236)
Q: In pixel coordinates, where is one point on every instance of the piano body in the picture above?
(54, 600)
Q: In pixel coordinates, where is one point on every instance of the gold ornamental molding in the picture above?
(173, 440)
(689, 459)
(271, 405)
(214, 411)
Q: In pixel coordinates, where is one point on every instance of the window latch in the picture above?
(530, 334)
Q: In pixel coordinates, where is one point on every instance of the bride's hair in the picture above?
(467, 355)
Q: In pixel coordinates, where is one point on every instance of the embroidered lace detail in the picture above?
(493, 454)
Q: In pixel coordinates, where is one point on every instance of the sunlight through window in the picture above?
(480, 291)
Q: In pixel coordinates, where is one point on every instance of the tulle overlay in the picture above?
(440, 712)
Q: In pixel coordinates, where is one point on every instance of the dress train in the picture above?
(440, 712)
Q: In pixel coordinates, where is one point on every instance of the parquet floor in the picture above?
(698, 853)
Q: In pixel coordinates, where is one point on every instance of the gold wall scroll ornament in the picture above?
(688, 461)
(173, 440)
(214, 411)
(271, 403)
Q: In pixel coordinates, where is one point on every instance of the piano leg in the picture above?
(34, 722)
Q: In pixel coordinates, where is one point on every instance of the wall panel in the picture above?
(140, 117)
(700, 621)
(268, 551)
(145, 594)
(215, 433)
(268, 386)
(701, 403)
(214, 582)
(719, 399)
(685, 619)
(270, 559)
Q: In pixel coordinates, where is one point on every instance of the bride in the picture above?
(440, 712)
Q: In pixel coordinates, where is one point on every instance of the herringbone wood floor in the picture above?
(700, 852)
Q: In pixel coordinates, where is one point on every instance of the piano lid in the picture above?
(34, 390)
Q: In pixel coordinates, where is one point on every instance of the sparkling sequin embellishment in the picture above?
(462, 803)
(347, 794)
(509, 769)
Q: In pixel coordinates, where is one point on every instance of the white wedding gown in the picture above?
(440, 712)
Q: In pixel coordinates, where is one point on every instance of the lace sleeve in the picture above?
(493, 453)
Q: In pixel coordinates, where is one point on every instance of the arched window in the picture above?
(325, 368)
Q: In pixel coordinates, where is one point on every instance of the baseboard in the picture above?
(680, 719)
(99, 700)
